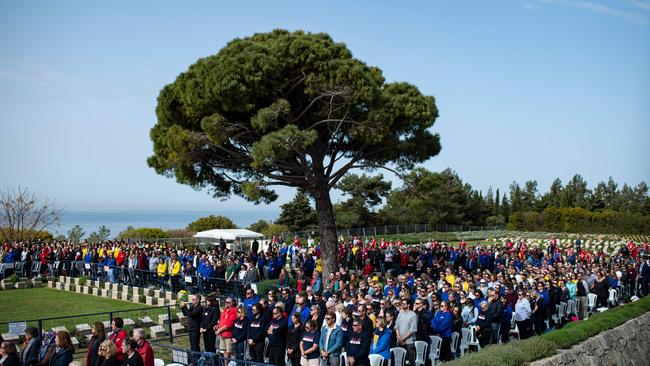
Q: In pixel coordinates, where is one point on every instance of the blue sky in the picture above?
(526, 89)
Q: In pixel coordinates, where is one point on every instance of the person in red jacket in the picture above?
(225, 327)
(144, 348)
(118, 337)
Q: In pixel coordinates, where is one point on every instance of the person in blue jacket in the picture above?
(441, 324)
(381, 340)
(250, 300)
(331, 340)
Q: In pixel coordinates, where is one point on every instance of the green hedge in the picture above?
(580, 220)
(521, 352)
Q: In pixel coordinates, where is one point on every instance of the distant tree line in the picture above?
(427, 197)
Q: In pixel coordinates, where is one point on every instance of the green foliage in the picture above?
(83, 280)
(274, 230)
(100, 235)
(76, 233)
(298, 214)
(580, 220)
(364, 192)
(143, 233)
(259, 226)
(504, 354)
(535, 348)
(14, 278)
(211, 222)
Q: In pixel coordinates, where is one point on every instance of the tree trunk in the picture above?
(327, 228)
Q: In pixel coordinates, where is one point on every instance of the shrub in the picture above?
(536, 348)
(502, 355)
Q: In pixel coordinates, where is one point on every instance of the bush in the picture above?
(536, 348)
(502, 355)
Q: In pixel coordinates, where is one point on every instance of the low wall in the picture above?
(626, 344)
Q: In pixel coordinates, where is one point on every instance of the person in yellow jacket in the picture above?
(175, 272)
(162, 272)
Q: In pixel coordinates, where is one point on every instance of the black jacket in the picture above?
(194, 316)
(210, 317)
(30, 357)
(134, 360)
(495, 309)
(61, 358)
(110, 362)
(256, 329)
(93, 358)
(11, 360)
(293, 340)
(278, 336)
(240, 329)
(358, 347)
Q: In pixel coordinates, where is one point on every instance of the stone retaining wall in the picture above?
(626, 344)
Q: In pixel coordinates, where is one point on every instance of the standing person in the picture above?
(277, 334)
(331, 341)
(63, 353)
(209, 320)
(296, 331)
(358, 348)
(537, 314)
(29, 354)
(255, 334)
(424, 321)
(225, 328)
(522, 315)
(406, 326)
(144, 348)
(483, 329)
(381, 340)
(582, 289)
(239, 332)
(9, 354)
(309, 349)
(118, 336)
(495, 310)
(194, 314)
(441, 326)
(47, 349)
(98, 337)
(600, 287)
(131, 355)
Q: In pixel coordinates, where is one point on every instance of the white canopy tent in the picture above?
(231, 236)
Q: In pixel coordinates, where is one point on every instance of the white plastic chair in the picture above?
(434, 350)
(613, 297)
(455, 340)
(571, 307)
(420, 352)
(399, 355)
(591, 303)
(561, 313)
(376, 360)
(266, 348)
(468, 339)
(344, 359)
(158, 362)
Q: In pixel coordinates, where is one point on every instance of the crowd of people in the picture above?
(56, 349)
(384, 295)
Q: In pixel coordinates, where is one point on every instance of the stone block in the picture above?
(157, 332)
(105, 293)
(62, 279)
(79, 289)
(37, 284)
(75, 343)
(115, 287)
(87, 338)
(51, 284)
(107, 286)
(68, 287)
(171, 302)
(149, 300)
(182, 319)
(129, 322)
(95, 291)
(146, 321)
(125, 296)
(77, 281)
(170, 295)
(82, 330)
(147, 291)
(163, 319)
(136, 298)
(178, 329)
(156, 293)
(115, 295)
(107, 326)
(10, 338)
(58, 329)
(59, 286)
(135, 290)
(21, 284)
(161, 301)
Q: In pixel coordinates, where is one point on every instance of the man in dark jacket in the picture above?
(358, 346)
(495, 309)
(209, 319)
(424, 321)
(277, 334)
(194, 314)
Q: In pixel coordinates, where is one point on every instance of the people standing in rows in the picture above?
(107, 353)
(381, 340)
(131, 355)
(9, 354)
(277, 335)
(522, 315)
(240, 330)
(225, 328)
(331, 341)
(255, 335)
(29, 353)
(194, 314)
(209, 320)
(117, 337)
(143, 347)
(358, 346)
(309, 345)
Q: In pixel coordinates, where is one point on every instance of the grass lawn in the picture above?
(39, 303)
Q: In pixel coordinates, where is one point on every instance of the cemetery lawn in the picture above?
(38, 303)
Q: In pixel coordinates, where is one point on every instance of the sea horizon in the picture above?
(118, 220)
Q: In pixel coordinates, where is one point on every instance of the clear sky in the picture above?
(526, 89)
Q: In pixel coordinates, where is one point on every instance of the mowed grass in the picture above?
(40, 303)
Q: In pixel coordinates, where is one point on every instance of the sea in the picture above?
(116, 221)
